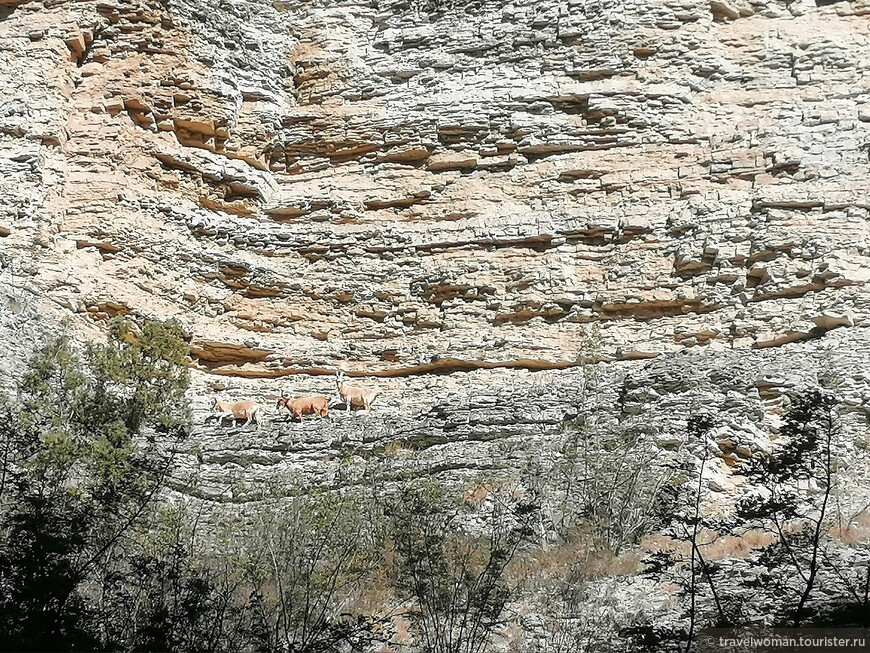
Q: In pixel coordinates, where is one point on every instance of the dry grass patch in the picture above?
(712, 545)
(738, 546)
(571, 563)
(856, 531)
(397, 448)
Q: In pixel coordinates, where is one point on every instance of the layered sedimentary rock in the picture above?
(464, 198)
(464, 204)
(474, 427)
(407, 186)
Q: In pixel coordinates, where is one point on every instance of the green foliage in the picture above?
(799, 575)
(308, 564)
(456, 578)
(603, 483)
(141, 376)
(290, 576)
(801, 520)
(437, 8)
(73, 479)
(171, 595)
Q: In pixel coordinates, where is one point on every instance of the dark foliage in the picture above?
(456, 578)
(73, 483)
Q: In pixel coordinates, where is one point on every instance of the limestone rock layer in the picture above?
(421, 186)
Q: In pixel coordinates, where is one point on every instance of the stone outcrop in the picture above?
(461, 203)
(492, 423)
(386, 184)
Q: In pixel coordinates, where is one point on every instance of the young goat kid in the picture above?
(315, 405)
(354, 394)
(246, 410)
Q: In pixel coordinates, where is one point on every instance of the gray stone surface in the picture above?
(468, 425)
(378, 184)
(456, 201)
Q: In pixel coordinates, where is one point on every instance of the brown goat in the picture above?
(315, 405)
(246, 410)
(354, 395)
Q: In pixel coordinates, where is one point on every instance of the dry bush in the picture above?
(856, 531)
(603, 481)
(309, 570)
(397, 448)
(565, 566)
(455, 575)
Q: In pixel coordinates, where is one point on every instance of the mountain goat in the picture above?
(314, 405)
(353, 394)
(246, 410)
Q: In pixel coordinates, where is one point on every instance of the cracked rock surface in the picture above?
(384, 184)
(447, 197)
(468, 426)
(460, 203)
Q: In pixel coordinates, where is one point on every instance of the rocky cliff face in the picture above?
(462, 200)
(416, 191)
(443, 185)
(409, 190)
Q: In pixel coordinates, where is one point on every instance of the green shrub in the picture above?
(74, 480)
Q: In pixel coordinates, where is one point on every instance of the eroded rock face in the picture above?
(493, 424)
(457, 201)
(381, 184)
